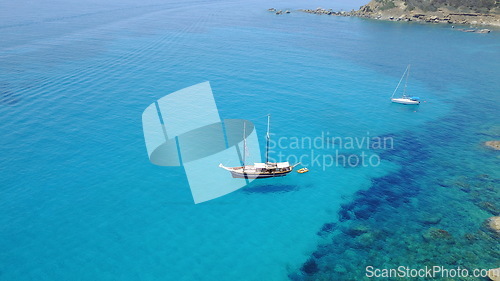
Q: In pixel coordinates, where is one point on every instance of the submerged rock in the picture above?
(429, 218)
(365, 240)
(470, 237)
(310, 267)
(340, 268)
(492, 131)
(443, 183)
(356, 230)
(327, 228)
(483, 177)
(434, 233)
(489, 207)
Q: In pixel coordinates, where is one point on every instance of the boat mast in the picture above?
(244, 143)
(406, 82)
(268, 136)
(399, 83)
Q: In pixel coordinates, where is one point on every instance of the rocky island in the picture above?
(493, 144)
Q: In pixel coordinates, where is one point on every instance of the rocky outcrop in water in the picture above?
(494, 224)
(329, 12)
(494, 274)
(493, 144)
(278, 12)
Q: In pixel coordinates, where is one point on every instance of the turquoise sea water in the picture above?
(80, 200)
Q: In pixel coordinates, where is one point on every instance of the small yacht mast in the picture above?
(407, 70)
(406, 82)
(268, 136)
(244, 143)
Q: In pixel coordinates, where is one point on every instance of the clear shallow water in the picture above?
(80, 199)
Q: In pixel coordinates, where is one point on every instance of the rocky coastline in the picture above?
(399, 12)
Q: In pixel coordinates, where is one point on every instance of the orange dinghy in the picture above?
(302, 170)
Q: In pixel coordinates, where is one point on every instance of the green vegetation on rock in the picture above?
(463, 6)
(386, 4)
(459, 6)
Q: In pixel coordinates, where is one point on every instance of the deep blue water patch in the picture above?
(327, 228)
(394, 189)
(271, 188)
(424, 214)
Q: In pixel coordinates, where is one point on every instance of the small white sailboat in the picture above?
(404, 99)
(260, 170)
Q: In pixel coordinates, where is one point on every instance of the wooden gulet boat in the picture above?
(260, 170)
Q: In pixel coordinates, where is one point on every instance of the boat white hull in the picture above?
(251, 172)
(405, 101)
(254, 175)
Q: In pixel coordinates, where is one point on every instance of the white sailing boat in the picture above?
(405, 99)
(260, 170)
